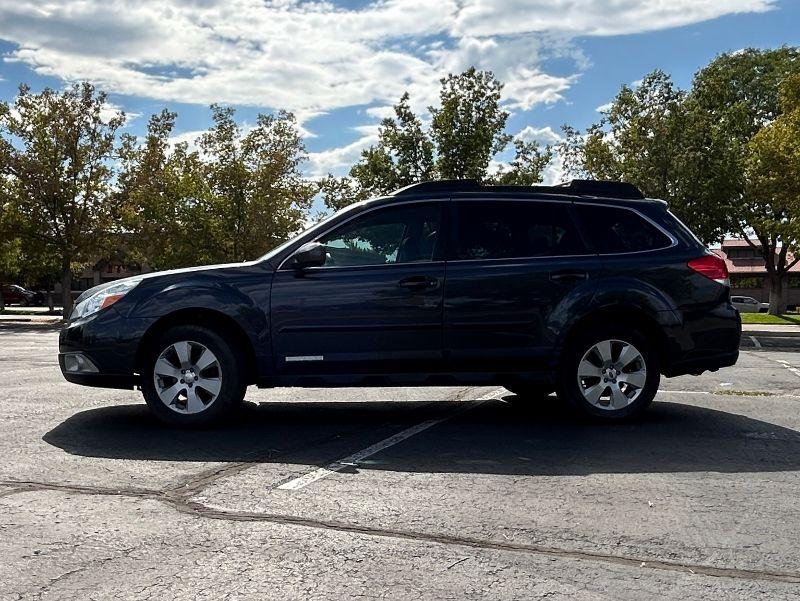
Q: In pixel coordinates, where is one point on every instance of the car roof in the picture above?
(509, 193)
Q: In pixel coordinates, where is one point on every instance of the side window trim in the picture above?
(673, 240)
(438, 249)
(453, 230)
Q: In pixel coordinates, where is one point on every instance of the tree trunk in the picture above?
(777, 302)
(66, 288)
(50, 296)
(2, 302)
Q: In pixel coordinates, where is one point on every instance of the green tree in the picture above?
(527, 168)
(641, 139)
(771, 204)
(339, 192)
(402, 156)
(732, 99)
(695, 149)
(56, 152)
(468, 126)
(165, 199)
(408, 145)
(239, 197)
(466, 131)
(259, 197)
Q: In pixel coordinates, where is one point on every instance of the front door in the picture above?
(515, 269)
(375, 306)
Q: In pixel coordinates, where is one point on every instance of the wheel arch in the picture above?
(219, 322)
(627, 316)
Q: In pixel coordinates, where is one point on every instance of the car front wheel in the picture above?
(610, 374)
(192, 377)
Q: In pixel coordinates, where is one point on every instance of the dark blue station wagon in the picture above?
(587, 289)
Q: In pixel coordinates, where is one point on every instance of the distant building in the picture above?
(106, 269)
(749, 272)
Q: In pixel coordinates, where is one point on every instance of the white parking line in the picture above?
(786, 365)
(351, 460)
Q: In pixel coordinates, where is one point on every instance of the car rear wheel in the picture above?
(192, 377)
(609, 374)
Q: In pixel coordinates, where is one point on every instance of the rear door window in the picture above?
(614, 230)
(500, 229)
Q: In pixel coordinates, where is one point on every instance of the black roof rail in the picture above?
(439, 185)
(576, 187)
(599, 187)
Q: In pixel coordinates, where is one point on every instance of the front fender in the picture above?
(246, 302)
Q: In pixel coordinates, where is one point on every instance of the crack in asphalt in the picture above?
(181, 502)
(179, 496)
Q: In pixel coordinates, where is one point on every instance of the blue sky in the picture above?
(340, 65)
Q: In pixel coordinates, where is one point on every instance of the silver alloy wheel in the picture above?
(611, 374)
(188, 377)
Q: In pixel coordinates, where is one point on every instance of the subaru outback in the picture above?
(587, 289)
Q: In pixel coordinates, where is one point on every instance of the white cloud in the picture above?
(554, 172)
(313, 57)
(543, 135)
(111, 110)
(592, 17)
(339, 160)
(604, 108)
(191, 138)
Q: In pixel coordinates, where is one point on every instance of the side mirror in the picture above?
(311, 254)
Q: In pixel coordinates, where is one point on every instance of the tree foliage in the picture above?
(258, 195)
(771, 204)
(236, 197)
(466, 131)
(695, 149)
(527, 167)
(164, 199)
(56, 152)
(468, 126)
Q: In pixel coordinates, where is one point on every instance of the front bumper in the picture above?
(100, 351)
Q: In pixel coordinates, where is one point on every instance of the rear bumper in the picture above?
(705, 341)
(703, 363)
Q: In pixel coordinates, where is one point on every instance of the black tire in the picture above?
(570, 389)
(232, 388)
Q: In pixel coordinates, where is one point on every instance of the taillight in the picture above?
(713, 267)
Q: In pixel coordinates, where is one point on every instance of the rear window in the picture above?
(615, 230)
(507, 229)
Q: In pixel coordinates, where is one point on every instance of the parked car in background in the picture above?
(747, 304)
(17, 295)
(587, 289)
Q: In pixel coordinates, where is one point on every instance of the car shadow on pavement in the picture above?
(496, 438)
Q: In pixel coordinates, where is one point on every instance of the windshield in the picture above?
(317, 226)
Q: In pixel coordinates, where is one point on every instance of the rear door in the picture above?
(515, 270)
(375, 306)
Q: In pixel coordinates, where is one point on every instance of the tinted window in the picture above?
(504, 229)
(613, 230)
(403, 234)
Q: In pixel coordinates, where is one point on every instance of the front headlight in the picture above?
(105, 297)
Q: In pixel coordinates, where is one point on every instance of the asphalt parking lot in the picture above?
(450, 493)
